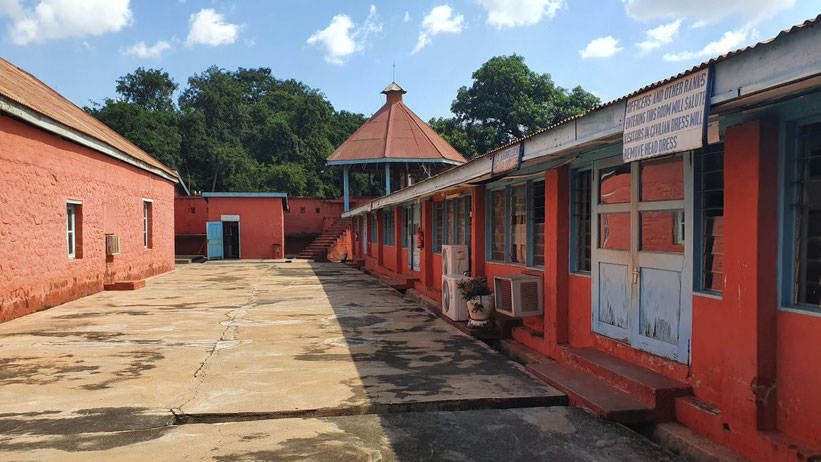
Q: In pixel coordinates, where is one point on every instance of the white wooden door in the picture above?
(642, 249)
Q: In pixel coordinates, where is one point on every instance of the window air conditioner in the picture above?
(455, 259)
(518, 295)
(112, 244)
(453, 305)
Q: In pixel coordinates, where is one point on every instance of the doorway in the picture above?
(230, 239)
(642, 248)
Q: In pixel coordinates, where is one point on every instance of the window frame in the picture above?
(529, 223)
(574, 222)
(71, 229)
(699, 234)
(373, 228)
(388, 227)
(438, 226)
(787, 227)
(148, 218)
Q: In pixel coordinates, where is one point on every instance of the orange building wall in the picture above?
(261, 223)
(190, 216)
(40, 172)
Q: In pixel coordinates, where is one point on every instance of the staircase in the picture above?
(317, 250)
(613, 388)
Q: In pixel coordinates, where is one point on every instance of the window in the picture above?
(405, 231)
(450, 218)
(437, 227)
(71, 230)
(806, 219)
(538, 223)
(388, 227)
(302, 210)
(581, 220)
(497, 225)
(709, 219)
(147, 224)
(317, 210)
(518, 224)
(463, 207)
(372, 217)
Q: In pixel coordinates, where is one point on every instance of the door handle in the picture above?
(635, 275)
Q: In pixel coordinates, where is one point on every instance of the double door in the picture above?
(642, 252)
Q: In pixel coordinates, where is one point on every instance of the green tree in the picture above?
(506, 101)
(151, 89)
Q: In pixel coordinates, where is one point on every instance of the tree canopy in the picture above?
(506, 101)
(240, 130)
(246, 130)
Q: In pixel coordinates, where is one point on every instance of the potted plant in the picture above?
(479, 299)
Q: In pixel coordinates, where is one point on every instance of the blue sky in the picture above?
(347, 48)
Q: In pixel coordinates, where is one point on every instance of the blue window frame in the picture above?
(437, 227)
(515, 225)
(801, 250)
(580, 220)
(372, 233)
(709, 219)
(388, 227)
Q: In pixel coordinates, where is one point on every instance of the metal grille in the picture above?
(711, 202)
(529, 296)
(506, 296)
(582, 212)
(808, 216)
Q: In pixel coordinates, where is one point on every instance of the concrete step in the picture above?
(593, 393)
(653, 389)
(125, 285)
(520, 353)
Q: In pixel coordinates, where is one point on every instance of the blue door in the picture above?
(214, 235)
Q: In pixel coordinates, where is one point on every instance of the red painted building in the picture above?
(230, 225)
(682, 287)
(72, 189)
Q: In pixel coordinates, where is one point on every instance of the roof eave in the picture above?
(47, 124)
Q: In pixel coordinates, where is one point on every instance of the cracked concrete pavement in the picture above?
(272, 360)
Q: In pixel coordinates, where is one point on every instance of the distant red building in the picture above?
(308, 217)
(81, 206)
(226, 225)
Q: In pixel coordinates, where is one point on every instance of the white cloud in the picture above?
(602, 47)
(731, 40)
(207, 27)
(407, 17)
(59, 19)
(342, 38)
(142, 50)
(705, 11)
(660, 35)
(441, 19)
(512, 13)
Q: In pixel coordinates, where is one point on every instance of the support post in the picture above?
(387, 178)
(345, 187)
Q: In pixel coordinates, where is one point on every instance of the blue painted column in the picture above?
(387, 178)
(345, 187)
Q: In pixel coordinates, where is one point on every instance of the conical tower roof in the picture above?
(395, 134)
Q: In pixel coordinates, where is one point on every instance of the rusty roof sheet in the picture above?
(808, 23)
(28, 91)
(395, 132)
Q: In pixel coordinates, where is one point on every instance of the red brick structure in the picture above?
(68, 183)
(717, 325)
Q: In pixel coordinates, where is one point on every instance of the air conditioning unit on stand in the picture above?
(519, 295)
(453, 305)
(455, 259)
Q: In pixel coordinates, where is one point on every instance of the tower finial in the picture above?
(394, 72)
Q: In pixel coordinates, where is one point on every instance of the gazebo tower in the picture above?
(394, 142)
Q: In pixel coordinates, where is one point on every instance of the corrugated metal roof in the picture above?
(395, 132)
(26, 90)
(717, 59)
(808, 23)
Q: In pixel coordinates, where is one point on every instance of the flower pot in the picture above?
(481, 310)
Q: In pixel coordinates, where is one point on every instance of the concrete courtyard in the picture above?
(261, 360)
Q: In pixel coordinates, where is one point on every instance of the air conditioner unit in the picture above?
(519, 295)
(112, 244)
(453, 305)
(455, 259)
